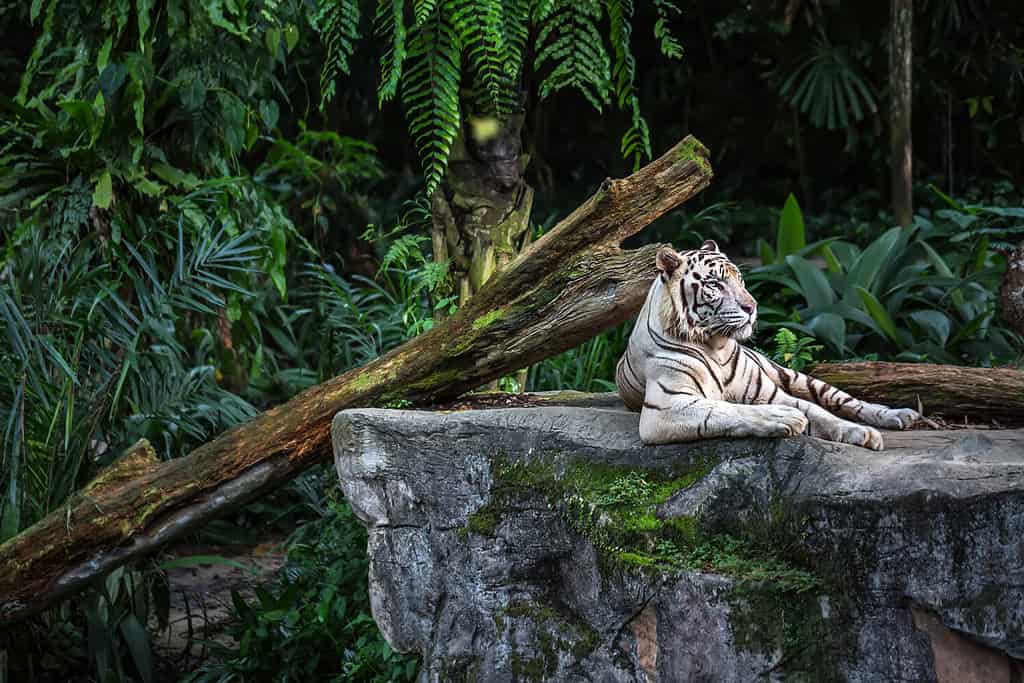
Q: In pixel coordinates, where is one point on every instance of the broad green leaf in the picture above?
(967, 331)
(831, 328)
(791, 237)
(878, 313)
(830, 259)
(946, 198)
(766, 252)
(147, 186)
(813, 284)
(272, 38)
(943, 270)
(103, 194)
(291, 36)
(81, 112)
(869, 264)
(175, 176)
(104, 55)
(143, 10)
(137, 639)
(269, 112)
(936, 323)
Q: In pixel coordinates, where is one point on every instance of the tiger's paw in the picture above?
(895, 418)
(774, 421)
(859, 435)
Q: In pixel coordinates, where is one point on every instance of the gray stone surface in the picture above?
(492, 578)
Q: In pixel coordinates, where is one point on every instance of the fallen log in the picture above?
(565, 288)
(950, 391)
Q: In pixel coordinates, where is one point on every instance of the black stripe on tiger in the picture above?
(693, 353)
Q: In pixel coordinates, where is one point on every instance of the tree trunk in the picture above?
(1011, 291)
(900, 94)
(951, 391)
(565, 288)
(481, 214)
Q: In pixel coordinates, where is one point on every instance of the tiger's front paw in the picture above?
(859, 435)
(896, 418)
(774, 420)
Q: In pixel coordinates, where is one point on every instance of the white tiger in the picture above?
(686, 372)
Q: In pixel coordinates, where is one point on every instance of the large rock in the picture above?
(550, 544)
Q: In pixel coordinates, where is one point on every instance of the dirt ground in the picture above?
(200, 600)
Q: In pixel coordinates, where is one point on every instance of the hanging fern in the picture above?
(430, 91)
(480, 25)
(338, 24)
(468, 56)
(667, 43)
(636, 141)
(517, 31)
(423, 9)
(389, 25)
(573, 50)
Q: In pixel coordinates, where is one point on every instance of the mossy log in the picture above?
(569, 285)
(952, 391)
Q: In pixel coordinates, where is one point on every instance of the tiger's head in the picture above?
(704, 295)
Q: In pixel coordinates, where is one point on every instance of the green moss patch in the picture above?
(551, 634)
(613, 506)
(693, 150)
(488, 319)
(775, 596)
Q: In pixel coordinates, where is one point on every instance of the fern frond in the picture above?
(405, 252)
(541, 10)
(571, 46)
(669, 45)
(636, 141)
(422, 9)
(430, 91)
(338, 24)
(517, 31)
(389, 25)
(481, 28)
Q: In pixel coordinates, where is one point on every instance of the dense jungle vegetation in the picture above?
(207, 206)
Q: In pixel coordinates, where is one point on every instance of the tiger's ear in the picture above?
(668, 260)
(709, 245)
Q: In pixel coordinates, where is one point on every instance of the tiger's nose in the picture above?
(748, 307)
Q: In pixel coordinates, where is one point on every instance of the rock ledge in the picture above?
(549, 544)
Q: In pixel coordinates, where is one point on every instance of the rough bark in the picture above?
(566, 287)
(482, 212)
(1011, 291)
(900, 94)
(947, 390)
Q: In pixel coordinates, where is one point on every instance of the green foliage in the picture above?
(791, 352)
(338, 24)
(315, 623)
(923, 293)
(116, 612)
(573, 51)
(829, 86)
(95, 355)
(430, 92)
(461, 58)
(588, 367)
(791, 229)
